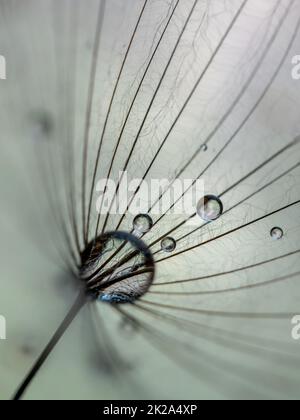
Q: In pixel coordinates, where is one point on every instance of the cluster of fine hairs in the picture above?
(171, 89)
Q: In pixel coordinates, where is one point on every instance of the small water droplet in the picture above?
(209, 208)
(142, 223)
(204, 147)
(276, 233)
(168, 244)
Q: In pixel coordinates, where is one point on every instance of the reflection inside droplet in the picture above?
(209, 208)
(276, 233)
(168, 244)
(142, 223)
(117, 268)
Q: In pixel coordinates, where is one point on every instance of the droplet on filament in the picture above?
(117, 268)
(209, 208)
(142, 223)
(276, 233)
(168, 244)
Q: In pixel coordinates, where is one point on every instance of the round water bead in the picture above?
(209, 208)
(117, 268)
(276, 233)
(204, 147)
(142, 223)
(168, 244)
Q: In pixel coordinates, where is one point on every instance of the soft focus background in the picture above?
(49, 47)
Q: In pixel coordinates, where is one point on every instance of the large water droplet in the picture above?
(276, 233)
(142, 223)
(117, 268)
(168, 244)
(209, 208)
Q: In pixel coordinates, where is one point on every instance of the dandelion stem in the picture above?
(79, 303)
